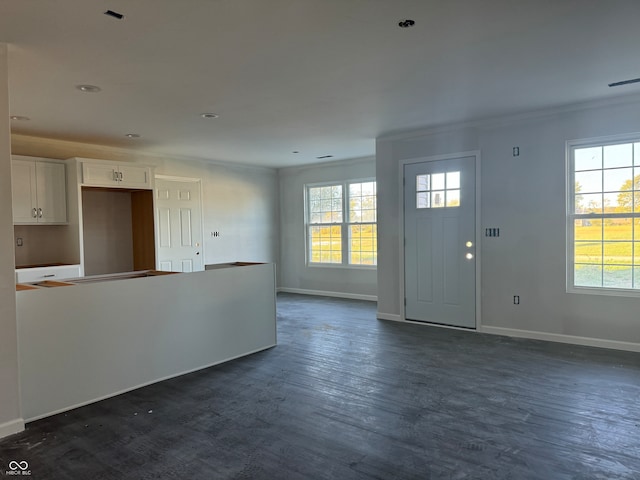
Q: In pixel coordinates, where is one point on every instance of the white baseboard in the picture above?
(557, 337)
(9, 428)
(322, 293)
(388, 316)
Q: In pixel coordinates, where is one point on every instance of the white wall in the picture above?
(240, 202)
(10, 421)
(525, 197)
(294, 274)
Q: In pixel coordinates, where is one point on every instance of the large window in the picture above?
(604, 216)
(341, 223)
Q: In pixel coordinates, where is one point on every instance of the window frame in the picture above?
(571, 216)
(344, 225)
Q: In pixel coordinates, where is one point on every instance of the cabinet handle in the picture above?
(49, 276)
(120, 176)
(40, 212)
(115, 176)
(35, 212)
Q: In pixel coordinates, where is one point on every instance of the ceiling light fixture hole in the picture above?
(209, 115)
(406, 23)
(19, 118)
(132, 135)
(88, 88)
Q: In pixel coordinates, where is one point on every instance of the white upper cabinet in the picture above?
(116, 176)
(39, 191)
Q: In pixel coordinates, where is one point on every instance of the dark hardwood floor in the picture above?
(345, 396)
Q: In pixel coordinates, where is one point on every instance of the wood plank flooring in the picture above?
(346, 396)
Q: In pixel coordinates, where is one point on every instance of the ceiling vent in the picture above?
(324, 156)
(113, 14)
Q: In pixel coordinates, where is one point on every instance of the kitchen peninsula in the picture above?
(86, 339)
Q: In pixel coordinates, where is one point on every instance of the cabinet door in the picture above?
(23, 185)
(51, 192)
(99, 174)
(134, 176)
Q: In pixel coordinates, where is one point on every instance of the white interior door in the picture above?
(439, 229)
(179, 225)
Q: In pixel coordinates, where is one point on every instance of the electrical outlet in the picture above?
(19, 242)
(516, 299)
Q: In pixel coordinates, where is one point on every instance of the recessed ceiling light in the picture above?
(209, 115)
(295, 151)
(132, 135)
(19, 118)
(406, 23)
(88, 88)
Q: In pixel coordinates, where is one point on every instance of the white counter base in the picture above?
(83, 343)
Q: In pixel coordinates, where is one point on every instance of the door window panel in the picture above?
(438, 190)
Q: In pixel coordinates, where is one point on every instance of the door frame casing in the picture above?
(401, 238)
(175, 178)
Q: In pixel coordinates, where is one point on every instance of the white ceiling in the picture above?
(322, 77)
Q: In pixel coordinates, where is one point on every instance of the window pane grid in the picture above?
(363, 244)
(606, 216)
(362, 227)
(336, 211)
(438, 190)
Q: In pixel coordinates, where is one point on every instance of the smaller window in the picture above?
(341, 224)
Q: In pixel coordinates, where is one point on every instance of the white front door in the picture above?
(179, 225)
(439, 229)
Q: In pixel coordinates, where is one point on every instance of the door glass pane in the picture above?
(422, 200)
(437, 181)
(422, 183)
(453, 198)
(453, 180)
(636, 154)
(437, 199)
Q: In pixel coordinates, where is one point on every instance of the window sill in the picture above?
(607, 292)
(341, 266)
